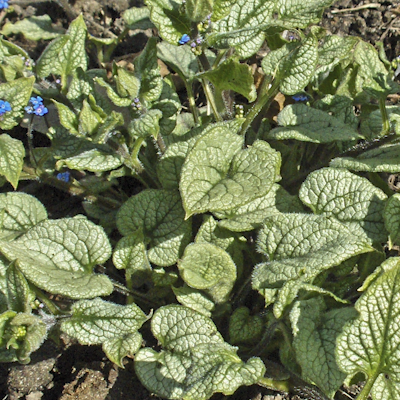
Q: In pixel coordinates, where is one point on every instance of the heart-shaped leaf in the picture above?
(112, 325)
(208, 267)
(159, 215)
(370, 344)
(301, 246)
(217, 175)
(195, 362)
(352, 199)
(315, 332)
(59, 256)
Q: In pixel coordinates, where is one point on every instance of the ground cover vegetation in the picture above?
(241, 235)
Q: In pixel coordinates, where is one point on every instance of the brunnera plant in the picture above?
(253, 238)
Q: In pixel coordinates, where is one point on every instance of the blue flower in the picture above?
(36, 106)
(300, 97)
(41, 110)
(35, 101)
(5, 106)
(63, 176)
(3, 4)
(183, 40)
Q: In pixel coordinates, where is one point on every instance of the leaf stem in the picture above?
(205, 66)
(210, 98)
(363, 395)
(110, 48)
(264, 100)
(136, 164)
(46, 301)
(74, 188)
(219, 58)
(30, 142)
(385, 117)
(266, 338)
(280, 386)
(134, 294)
(192, 103)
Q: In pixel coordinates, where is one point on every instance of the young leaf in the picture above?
(66, 53)
(146, 125)
(243, 327)
(170, 22)
(385, 158)
(12, 153)
(130, 254)
(19, 213)
(162, 278)
(217, 175)
(370, 344)
(48, 61)
(210, 268)
(232, 75)
(315, 332)
(89, 120)
(159, 215)
(293, 64)
(351, 199)
(22, 335)
(68, 119)
(127, 83)
(392, 218)
(169, 104)
(307, 124)
(372, 76)
(114, 97)
(112, 325)
(195, 362)
(334, 50)
(17, 93)
(82, 85)
(211, 232)
(18, 292)
(148, 72)
(10, 49)
(59, 256)
(181, 59)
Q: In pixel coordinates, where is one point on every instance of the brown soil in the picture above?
(73, 372)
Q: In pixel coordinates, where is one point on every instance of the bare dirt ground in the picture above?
(68, 371)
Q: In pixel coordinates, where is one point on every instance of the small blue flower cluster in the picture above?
(5, 106)
(3, 4)
(37, 107)
(136, 103)
(196, 42)
(64, 176)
